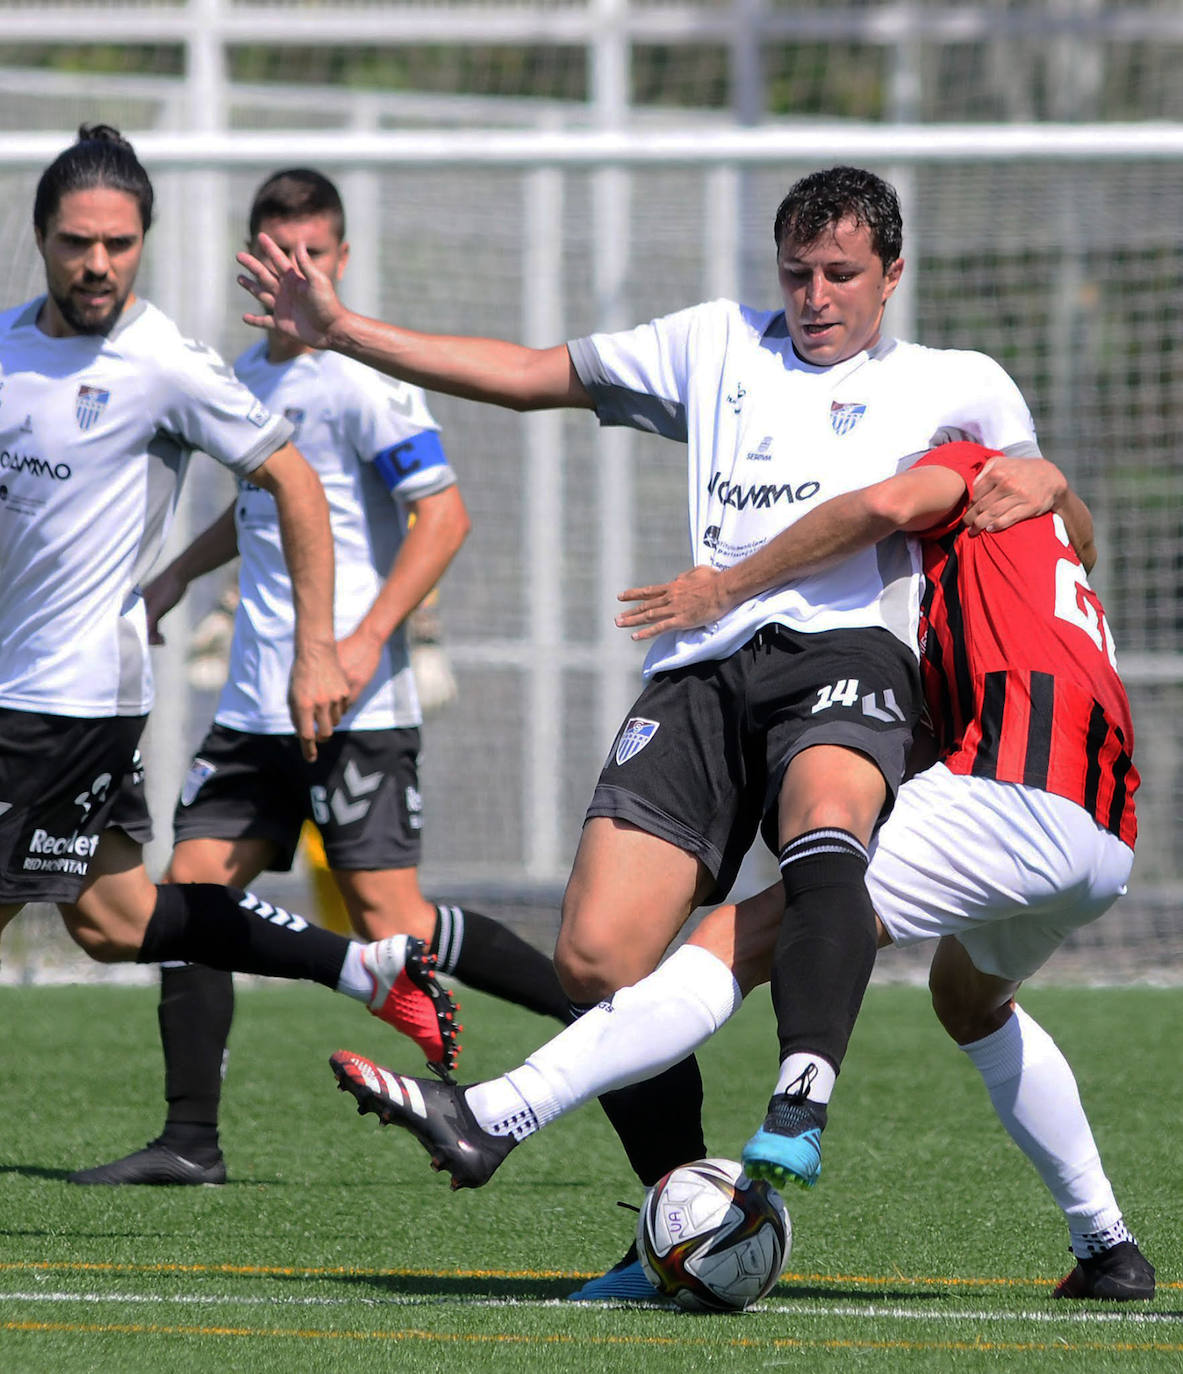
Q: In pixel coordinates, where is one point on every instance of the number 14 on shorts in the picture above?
(845, 692)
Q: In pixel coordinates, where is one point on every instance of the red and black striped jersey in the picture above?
(1020, 673)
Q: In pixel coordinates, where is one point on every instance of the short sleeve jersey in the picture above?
(354, 426)
(770, 437)
(1019, 667)
(95, 435)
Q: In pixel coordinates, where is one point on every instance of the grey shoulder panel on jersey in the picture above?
(883, 348)
(28, 316)
(617, 405)
(127, 319)
(950, 434)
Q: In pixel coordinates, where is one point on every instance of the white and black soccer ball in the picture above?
(711, 1238)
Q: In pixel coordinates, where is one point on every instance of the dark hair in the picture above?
(297, 193)
(101, 157)
(821, 200)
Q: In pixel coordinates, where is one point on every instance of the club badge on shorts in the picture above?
(634, 737)
(199, 770)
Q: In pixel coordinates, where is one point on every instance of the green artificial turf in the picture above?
(929, 1244)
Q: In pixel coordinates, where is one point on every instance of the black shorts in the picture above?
(63, 781)
(362, 792)
(700, 760)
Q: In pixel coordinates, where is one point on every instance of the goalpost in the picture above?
(1055, 248)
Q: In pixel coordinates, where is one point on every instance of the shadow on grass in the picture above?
(35, 1171)
(490, 1288)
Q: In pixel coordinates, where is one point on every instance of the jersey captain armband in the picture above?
(415, 467)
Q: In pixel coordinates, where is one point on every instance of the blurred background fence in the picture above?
(543, 169)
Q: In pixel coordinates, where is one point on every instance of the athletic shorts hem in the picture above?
(622, 805)
(199, 825)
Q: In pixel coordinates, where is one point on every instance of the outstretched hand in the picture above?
(298, 298)
(690, 600)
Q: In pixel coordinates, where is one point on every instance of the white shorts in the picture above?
(1009, 871)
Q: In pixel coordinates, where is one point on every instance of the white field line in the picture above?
(798, 1309)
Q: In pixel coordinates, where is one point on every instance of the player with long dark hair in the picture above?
(103, 401)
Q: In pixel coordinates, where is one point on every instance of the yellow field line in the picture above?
(337, 1271)
(495, 1338)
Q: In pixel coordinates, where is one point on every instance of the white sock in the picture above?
(808, 1073)
(1034, 1093)
(356, 980)
(641, 1031)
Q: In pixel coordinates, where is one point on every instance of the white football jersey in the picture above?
(350, 424)
(95, 436)
(770, 437)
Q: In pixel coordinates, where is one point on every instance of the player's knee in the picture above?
(101, 946)
(588, 969)
(953, 1017)
(966, 1018)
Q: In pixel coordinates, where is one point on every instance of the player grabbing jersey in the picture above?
(1022, 832)
(102, 399)
(397, 520)
(743, 723)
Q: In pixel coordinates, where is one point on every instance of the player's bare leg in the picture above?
(383, 902)
(628, 896)
(111, 914)
(1034, 1092)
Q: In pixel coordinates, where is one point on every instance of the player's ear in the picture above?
(891, 278)
(342, 260)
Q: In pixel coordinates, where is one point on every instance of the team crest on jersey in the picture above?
(295, 417)
(258, 414)
(199, 770)
(634, 737)
(89, 404)
(844, 415)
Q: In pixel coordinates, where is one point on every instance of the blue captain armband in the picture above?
(416, 456)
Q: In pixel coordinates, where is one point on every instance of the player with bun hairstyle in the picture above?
(104, 400)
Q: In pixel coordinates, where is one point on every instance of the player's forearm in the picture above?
(213, 548)
(842, 526)
(491, 370)
(307, 541)
(440, 528)
(1078, 521)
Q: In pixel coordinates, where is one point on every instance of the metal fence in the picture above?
(1052, 246)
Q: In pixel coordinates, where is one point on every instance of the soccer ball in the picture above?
(711, 1238)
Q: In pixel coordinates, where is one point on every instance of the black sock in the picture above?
(195, 1011)
(203, 923)
(491, 958)
(659, 1120)
(826, 948)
